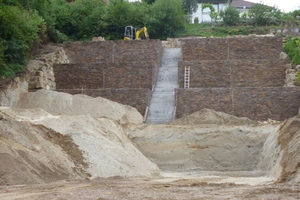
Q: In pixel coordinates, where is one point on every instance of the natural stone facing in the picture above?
(189, 101)
(105, 75)
(206, 73)
(204, 49)
(114, 51)
(231, 48)
(234, 73)
(278, 103)
(138, 98)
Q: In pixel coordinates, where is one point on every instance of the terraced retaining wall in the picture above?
(278, 103)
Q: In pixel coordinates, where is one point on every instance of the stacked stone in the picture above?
(243, 76)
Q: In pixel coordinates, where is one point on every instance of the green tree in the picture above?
(262, 15)
(231, 16)
(81, 20)
(20, 29)
(190, 6)
(121, 14)
(166, 19)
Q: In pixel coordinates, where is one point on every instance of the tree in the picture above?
(83, 19)
(166, 19)
(190, 6)
(231, 16)
(262, 15)
(20, 29)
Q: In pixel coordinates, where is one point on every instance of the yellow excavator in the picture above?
(132, 34)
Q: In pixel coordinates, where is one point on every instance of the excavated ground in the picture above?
(58, 146)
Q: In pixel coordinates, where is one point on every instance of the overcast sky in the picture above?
(284, 5)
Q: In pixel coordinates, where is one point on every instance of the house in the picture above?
(203, 16)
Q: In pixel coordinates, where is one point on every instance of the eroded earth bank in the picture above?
(61, 146)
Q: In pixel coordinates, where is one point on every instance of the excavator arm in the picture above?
(142, 30)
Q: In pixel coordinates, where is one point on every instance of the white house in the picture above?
(203, 16)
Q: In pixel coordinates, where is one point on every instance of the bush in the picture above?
(262, 15)
(81, 20)
(166, 19)
(292, 48)
(19, 31)
(231, 16)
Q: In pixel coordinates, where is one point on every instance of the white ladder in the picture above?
(187, 77)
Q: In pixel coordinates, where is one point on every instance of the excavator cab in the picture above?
(132, 34)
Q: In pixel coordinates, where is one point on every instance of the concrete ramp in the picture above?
(162, 105)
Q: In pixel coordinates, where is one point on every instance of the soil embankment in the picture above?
(52, 136)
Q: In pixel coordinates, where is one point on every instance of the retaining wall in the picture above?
(278, 103)
(114, 51)
(105, 75)
(234, 73)
(231, 48)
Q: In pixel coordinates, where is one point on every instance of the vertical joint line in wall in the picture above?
(103, 79)
(113, 53)
(232, 101)
(231, 88)
(228, 49)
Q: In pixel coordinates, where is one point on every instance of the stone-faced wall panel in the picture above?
(233, 73)
(89, 52)
(255, 48)
(114, 51)
(258, 73)
(76, 76)
(104, 75)
(204, 49)
(189, 101)
(205, 74)
(277, 103)
(231, 48)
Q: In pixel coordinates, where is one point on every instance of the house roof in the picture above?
(235, 3)
(241, 3)
(212, 1)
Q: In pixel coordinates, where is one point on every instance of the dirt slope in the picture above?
(38, 147)
(58, 103)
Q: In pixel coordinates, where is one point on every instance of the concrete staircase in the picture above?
(162, 105)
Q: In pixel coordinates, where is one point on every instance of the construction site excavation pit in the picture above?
(213, 147)
(79, 147)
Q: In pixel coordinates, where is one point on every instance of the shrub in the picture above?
(292, 48)
(19, 31)
(231, 16)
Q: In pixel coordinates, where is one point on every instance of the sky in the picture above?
(284, 5)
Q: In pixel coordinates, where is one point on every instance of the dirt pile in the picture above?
(58, 103)
(38, 147)
(208, 116)
(202, 147)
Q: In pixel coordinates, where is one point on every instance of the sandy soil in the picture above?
(58, 146)
(152, 189)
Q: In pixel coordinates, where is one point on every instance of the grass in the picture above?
(206, 30)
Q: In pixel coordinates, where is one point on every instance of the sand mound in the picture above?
(208, 116)
(281, 154)
(58, 103)
(37, 147)
(202, 147)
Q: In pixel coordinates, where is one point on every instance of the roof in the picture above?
(235, 3)
(241, 3)
(212, 1)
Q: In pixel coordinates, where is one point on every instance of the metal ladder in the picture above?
(187, 77)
